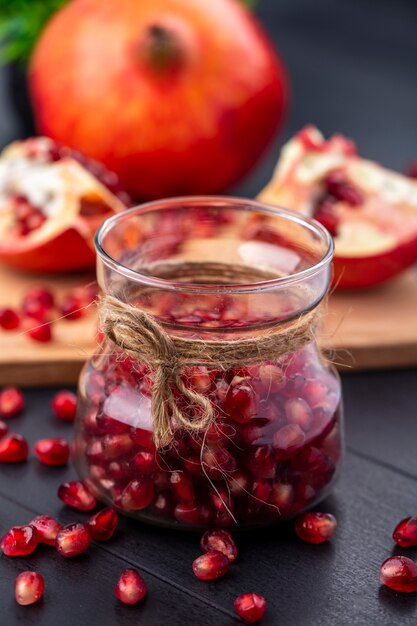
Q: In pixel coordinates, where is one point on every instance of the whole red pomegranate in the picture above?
(175, 96)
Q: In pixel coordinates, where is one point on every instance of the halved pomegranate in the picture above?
(52, 200)
(370, 211)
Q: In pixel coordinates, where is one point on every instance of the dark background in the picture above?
(353, 69)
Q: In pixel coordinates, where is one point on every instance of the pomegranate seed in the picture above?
(299, 413)
(29, 588)
(198, 379)
(164, 504)
(138, 494)
(261, 490)
(193, 514)
(20, 541)
(53, 451)
(282, 496)
(37, 302)
(241, 402)
(399, 573)
(261, 462)
(115, 446)
(73, 540)
(144, 462)
(143, 438)
(64, 405)
(47, 528)
(111, 426)
(238, 482)
(315, 527)
(218, 463)
(272, 378)
(325, 214)
(405, 533)
(41, 332)
(250, 607)
(211, 565)
(182, 486)
(72, 308)
(219, 541)
(288, 440)
(12, 402)
(131, 587)
(9, 319)
(342, 190)
(3, 428)
(75, 494)
(13, 449)
(103, 524)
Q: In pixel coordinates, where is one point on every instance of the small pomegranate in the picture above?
(219, 541)
(20, 541)
(75, 494)
(54, 451)
(47, 528)
(12, 402)
(399, 573)
(211, 565)
(250, 607)
(73, 539)
(315, 527)
(131, 587)
(64, 405)
(13, 449)
(103, 524)
(29, 587)
(405, 533)
(9, 319)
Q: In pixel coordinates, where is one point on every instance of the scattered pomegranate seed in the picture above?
(103, 524)
(54, 451)
(64, 405)
(405, 533)
(43, 295)
(20, 541)
(12, 402)
(219, 541)
(399, 573)
(13, 449)
(41, 332)
(211, 565)
(315, 527)
(3, 428)
(250, 607)
(29, 588)
(131, 587)
(71, 308)
(47, 528)
(75, 494)
(9, 319)
(73, 539)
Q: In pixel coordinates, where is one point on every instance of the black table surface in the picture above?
(353, 69)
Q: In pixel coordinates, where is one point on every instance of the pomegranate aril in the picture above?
(342, 190)
(76, 495)
(198, 379)
(64, 405)
(164, 504)
(19, 541)
(143, 438)
(238, 482)
(315, 527)
(53, 451)
(182, 486)
(9, 319)
(43, 295)
(144, 462)
(325, 213)
(405, 533)
(282, 497)
(12, 402)
(220, 498)
(220, 541)
(241, 401)
(299, 413)
(261, 462)
(29, 588)
(47, 528)
(193, 514)
(73, 539)
(131, 587)
(211, 565)
(13, 449)
(71, 308)
(111, 426)
(261, 491)
(218, 463)
(287, 441)
(137, 495)
(399, 573)
(3, 428)
(250, 607)
(272, 378)
(103, 524)
(37, 330)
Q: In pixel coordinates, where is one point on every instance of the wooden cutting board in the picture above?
(375, 329)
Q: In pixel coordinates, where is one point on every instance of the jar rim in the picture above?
(229, 202)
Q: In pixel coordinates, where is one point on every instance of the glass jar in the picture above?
(243, 282)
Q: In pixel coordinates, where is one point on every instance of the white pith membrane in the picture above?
(386, 218)
(58, 189)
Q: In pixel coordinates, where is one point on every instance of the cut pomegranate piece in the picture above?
(315, 527)
(219, 541)
(131, 587)
(64, 405)
(13, 449)
(211, 565)
(47, 528)
(405, 533)
(399, 573)
(73, 539)
(76, 495)
(138, 494)
(103, 524)
(19, 541)
(53, 451)
(12, 402)
(9, 319)
(29, 588)
(250, 607)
